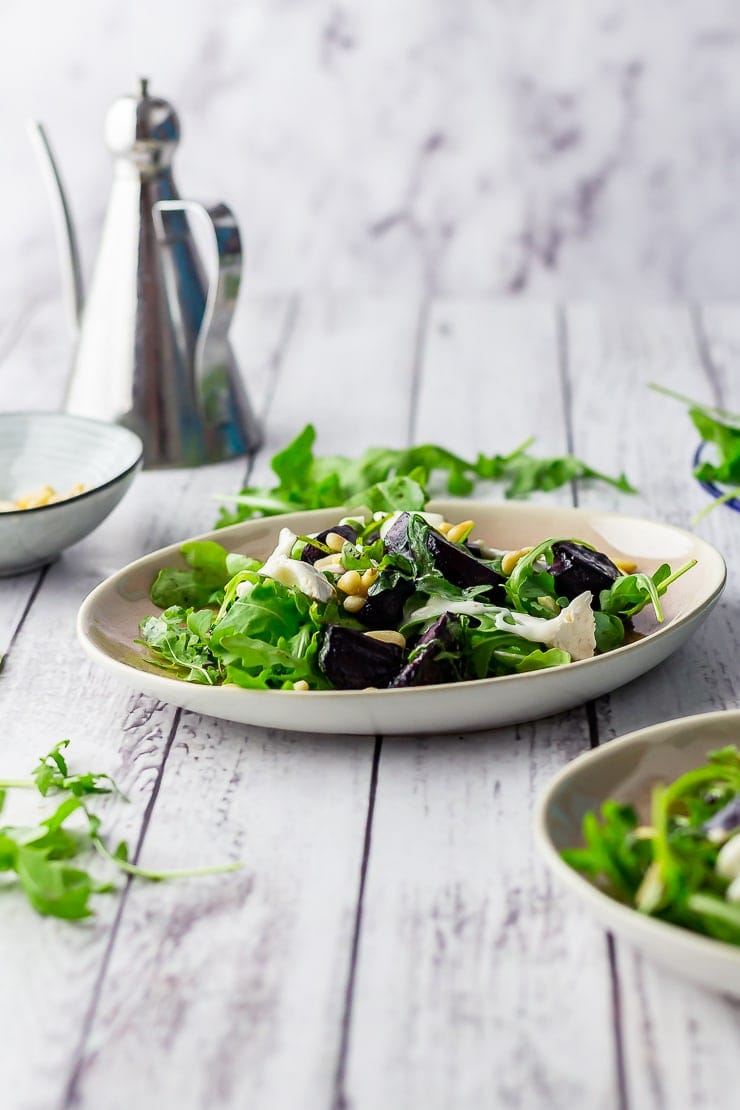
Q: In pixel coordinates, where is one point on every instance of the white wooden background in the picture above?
(392, 941)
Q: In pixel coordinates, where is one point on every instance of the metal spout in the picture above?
(69, 255)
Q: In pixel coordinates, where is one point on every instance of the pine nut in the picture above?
(458, 532)
(334, 542)
(369, 577)
(548, 603)
(625, 565)
(301, 684)
(350, 582)
(511, 558)
(329, 562)
(353, 603)
(388, 636)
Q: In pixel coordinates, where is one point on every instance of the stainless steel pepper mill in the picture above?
(151, 340)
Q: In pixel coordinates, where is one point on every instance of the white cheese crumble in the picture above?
(572, 630)
(292, 572)
(728, 867)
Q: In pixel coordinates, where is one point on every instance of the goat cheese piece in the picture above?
(292, 572)
(572, 630)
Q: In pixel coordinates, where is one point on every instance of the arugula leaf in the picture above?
(609, 631)
(310, 481)
(178, 647)
(52, 772)
(630, 593)
(668, 868)
(38, 855)
(211, 568)
(719, 427)
(531, 589)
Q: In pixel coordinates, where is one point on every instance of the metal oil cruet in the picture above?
(152, 349)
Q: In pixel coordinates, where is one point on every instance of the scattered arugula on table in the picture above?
(668, 868)
(383, 477)
(721, 428)
(45, 858)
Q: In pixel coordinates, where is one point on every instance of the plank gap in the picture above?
(277, 357)
(340, 1100)
(71, 1093)
(561, 332)
(41, 575)
(593, 724)
(417, 361)
(616, 1003)
(705, 353)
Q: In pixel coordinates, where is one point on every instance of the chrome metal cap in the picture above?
(143, 129)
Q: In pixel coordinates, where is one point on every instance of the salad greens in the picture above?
(683, 865)
(40, 857)
(435, 609)
(309, 481)
(722, 429)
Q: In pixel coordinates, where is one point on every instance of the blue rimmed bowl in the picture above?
(712, 488)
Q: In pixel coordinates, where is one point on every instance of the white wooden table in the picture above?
(392, 941)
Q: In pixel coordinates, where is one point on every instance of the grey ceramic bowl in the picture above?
(627, 770)
(48, 448)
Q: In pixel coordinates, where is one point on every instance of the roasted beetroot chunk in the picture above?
(311, 554)
(396, 538)
(351, 660)
(577, 569)
(430, 665)
(453, 561)
(463, 570)
(384, 609)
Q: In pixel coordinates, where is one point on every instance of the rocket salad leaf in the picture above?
(722, 429)
(673, 866)
(384, 477)
(38, 855)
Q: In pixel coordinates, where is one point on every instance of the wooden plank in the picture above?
(467, 956)
(233, 993)
(619, 423)
(680, 1044)
(49, 691)
(33, 350)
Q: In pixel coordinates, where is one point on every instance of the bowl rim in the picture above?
(116, 429)
(604, 905)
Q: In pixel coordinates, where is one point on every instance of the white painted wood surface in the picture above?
(392, 940)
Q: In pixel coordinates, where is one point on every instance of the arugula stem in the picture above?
(676, 574)
(730, 495)
(707, 905)
(711, 410)
(160, 876)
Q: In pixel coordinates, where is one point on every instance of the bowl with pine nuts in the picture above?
(60, 477)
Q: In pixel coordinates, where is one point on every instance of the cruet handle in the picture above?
(211, 362)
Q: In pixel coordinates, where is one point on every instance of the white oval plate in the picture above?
(626, 770)
(108, 624)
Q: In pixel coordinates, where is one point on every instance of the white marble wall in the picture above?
(547, 147)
